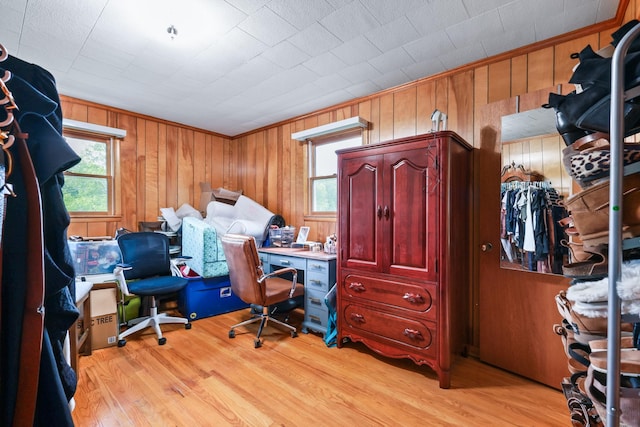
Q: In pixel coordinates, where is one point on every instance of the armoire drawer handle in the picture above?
(315, 282)
(413, 334)
(357, 286)
(357, 317)
(413, 298)
(315, 301)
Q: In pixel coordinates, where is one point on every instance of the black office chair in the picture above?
(146, 271)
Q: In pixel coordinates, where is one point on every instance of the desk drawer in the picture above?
(277, 260)
(317, 282)
(320, 275)
(264, 258)
(316, 313)
(315, 300)
(316, 320)
(323, 268)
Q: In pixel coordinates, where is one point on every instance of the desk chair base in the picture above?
(154, 320)
(263, 318)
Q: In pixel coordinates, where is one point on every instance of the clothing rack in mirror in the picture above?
(518, 173)
(513, 185)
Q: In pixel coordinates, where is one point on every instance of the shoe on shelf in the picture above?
(595, 267)
(590, 208)
(579, 115)
(588, 166)
(566, 128)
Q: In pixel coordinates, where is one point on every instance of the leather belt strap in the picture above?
(33, 317)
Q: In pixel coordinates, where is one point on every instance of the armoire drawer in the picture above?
(420, 298)
(391, 328)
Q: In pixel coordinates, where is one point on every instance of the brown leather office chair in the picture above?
(253, 286)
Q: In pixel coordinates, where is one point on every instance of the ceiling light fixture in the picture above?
(173, 32)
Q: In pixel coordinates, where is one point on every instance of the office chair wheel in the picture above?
(257, 343)
(162, 341)
(187, 325)
(232, 333)
(122, 343)
(294, 334)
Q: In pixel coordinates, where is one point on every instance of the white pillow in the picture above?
(220, 210)
(188, 210)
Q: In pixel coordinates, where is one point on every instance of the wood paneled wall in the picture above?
(163, 163)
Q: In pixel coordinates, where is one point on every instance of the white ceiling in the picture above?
(238, 65)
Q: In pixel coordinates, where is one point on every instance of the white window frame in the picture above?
(312, 144)
(112, 138)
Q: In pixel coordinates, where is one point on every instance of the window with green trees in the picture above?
(323, 168)
(88, 186)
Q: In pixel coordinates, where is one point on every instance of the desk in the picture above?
(80, 331)
(316, 270)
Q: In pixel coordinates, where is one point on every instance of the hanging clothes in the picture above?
(40, 119)
(531, 211)
(529, 243)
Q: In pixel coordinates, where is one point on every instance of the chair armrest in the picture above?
(280, 272)
(118, 272)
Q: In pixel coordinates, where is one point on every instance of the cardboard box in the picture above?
(206, 196)
(205, 297)
(104, 320)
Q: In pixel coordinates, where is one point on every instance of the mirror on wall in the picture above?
(533, 186)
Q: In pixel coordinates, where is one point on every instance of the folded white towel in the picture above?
(598, 290)
(595, 310)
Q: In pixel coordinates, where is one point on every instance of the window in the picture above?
(89, 186)
(323, 169)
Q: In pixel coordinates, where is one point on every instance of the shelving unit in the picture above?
(616, 244)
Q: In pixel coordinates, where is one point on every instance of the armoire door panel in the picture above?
(361, 213)
(412, 197)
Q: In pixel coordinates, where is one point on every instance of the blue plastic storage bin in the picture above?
(205, 297)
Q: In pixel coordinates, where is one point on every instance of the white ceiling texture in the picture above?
(238, 65)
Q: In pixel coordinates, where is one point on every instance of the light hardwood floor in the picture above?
(203, 378)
